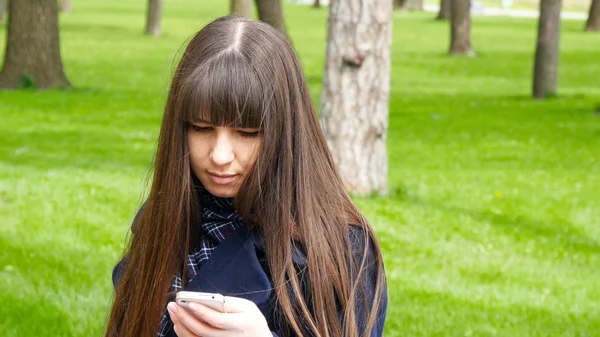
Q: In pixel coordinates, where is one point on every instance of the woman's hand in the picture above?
(242, 319)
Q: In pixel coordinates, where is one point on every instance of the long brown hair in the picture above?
(238, 71)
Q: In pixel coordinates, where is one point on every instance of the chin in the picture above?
(221, 192)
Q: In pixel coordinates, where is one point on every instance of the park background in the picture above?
(491, 227)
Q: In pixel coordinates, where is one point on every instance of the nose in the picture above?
(222, 151)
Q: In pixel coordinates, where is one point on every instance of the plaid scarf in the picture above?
(219, 219)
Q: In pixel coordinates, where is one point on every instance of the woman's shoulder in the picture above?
(361, 239)
(137, 216)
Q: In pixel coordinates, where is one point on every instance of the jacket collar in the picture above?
(234, 268)
(298, 251)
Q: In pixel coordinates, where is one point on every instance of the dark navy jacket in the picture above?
(238, 267)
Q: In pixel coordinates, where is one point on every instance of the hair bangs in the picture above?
(224, 91)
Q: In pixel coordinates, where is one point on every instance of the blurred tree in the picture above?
(32, 57)
(414, 5)
(270, 11)
(66, 6)
(356, 92)
(241, 7)
(409, 5)
(547, 51)
(593, 21)
(153, 17)
(445, 10)
(460, 28)
(316, 4)
(2, 9)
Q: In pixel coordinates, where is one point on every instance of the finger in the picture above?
(191, 323)
(218, 320)
(178, 327)
(172, 308)
(182, 331)
(238, 304)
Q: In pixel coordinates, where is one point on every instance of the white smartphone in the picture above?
(211, 300)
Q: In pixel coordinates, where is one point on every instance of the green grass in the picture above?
(492, 227)
(567, 6)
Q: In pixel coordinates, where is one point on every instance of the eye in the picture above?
(249, 134)
(201, 128)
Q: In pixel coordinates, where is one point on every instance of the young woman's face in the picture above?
(221, 157)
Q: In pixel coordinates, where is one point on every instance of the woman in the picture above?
(246, 202)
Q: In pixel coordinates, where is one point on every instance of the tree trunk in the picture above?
(445, 10)
(242, 7)
(460, 39)
(593, 21)
(356, 91)
(270, 11)
(32, 57)
(547, 51)
(2, 9)
(153, 17)
(316, 4)
(66, 6)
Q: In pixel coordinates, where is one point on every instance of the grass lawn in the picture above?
(567, 6)
(492, 227)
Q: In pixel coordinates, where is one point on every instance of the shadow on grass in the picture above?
(98, 28)
(557, 233)
(128, 34)
(85, 149)
(422, 312)
(91, 91)
(53, 279)
(527, 97)
(314, 80)
(32, 316)
(54, 264)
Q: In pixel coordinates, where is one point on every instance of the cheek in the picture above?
(194, 160)
(252, 153)
(247, 153)
(196, 147)
(195, 154)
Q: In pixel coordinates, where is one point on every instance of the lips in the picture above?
(221, 179)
